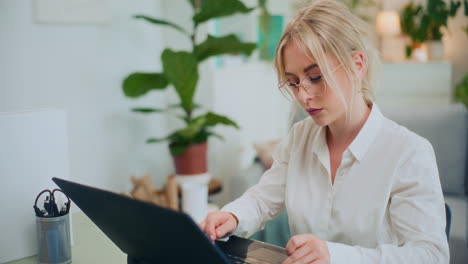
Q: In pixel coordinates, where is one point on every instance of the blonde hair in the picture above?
(328, 26)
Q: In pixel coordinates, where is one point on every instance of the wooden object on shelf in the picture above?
(171, 193)
(215, 186)
(143, 189)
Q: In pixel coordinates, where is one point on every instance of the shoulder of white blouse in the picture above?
(411, 143)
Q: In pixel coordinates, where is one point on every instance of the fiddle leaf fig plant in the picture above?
(180, 71)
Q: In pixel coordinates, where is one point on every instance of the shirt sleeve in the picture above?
(265, 200)
(417, 215)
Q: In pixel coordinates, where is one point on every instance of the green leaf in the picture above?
(191, 130)
(465, 4)
(453, 8)
(461, 91)
(408, 51)
(421, 35)
(192, 3)
(194, 106)
(216, 8)
(196, 130)
(145, 110)
(181, 69)
(156, 140)
(229, 44)
(216, 135)
(183, 118)
(201, 136)
(213, 119)
(139, 83)
(177, 149)
(161, 22)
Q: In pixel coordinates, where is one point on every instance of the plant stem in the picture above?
(197, 7)
(193, 37)
(189, 116)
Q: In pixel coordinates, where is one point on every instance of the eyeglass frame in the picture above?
(297, 85)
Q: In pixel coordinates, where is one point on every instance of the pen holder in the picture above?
(53, 237)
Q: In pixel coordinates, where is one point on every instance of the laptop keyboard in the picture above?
(236, 259)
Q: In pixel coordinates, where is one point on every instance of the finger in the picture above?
(210, 228)
(312, 257)
(202, 225)
(225, 228)
(298, 254)
(320, 261)
(295, 242)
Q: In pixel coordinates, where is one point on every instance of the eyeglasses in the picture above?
(310, 83)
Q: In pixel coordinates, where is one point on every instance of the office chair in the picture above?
(448, 217)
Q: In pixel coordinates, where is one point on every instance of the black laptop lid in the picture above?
(144, 230)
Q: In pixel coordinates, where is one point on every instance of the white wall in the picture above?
(79, 68)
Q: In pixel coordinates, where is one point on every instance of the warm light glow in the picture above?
(388, 23)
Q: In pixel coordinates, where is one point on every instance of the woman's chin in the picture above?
(320, 121)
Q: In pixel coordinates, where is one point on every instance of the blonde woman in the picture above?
(358, 188)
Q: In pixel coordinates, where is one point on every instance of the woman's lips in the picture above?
(314, 111)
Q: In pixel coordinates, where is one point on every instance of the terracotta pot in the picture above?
(192, 161)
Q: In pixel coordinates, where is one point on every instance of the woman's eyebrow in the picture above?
(306, 69)
(310, 67)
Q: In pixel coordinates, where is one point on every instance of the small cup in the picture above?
(54, 241)
(195, 200)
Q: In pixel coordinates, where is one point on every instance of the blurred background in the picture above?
(74, 55)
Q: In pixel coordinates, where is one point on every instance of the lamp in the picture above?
(388, 23)
(388, 29)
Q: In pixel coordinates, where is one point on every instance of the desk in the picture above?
(90, 245)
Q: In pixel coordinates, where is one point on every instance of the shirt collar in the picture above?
(320, 148)
(367, 134)
(320, 141)
(360, 144)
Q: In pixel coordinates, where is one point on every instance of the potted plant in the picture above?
(414, 24)
(425, 24)
(439, 12)
(188, 145)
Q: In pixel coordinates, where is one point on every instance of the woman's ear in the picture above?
(359, 62)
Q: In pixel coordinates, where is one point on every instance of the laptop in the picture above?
(148, 233)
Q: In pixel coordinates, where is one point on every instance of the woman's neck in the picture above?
(343, 131)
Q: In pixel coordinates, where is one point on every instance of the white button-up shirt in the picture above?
(385, 206)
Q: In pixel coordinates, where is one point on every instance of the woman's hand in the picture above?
(219, 224)
(306, 249)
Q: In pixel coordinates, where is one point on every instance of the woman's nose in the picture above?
(303, 95)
